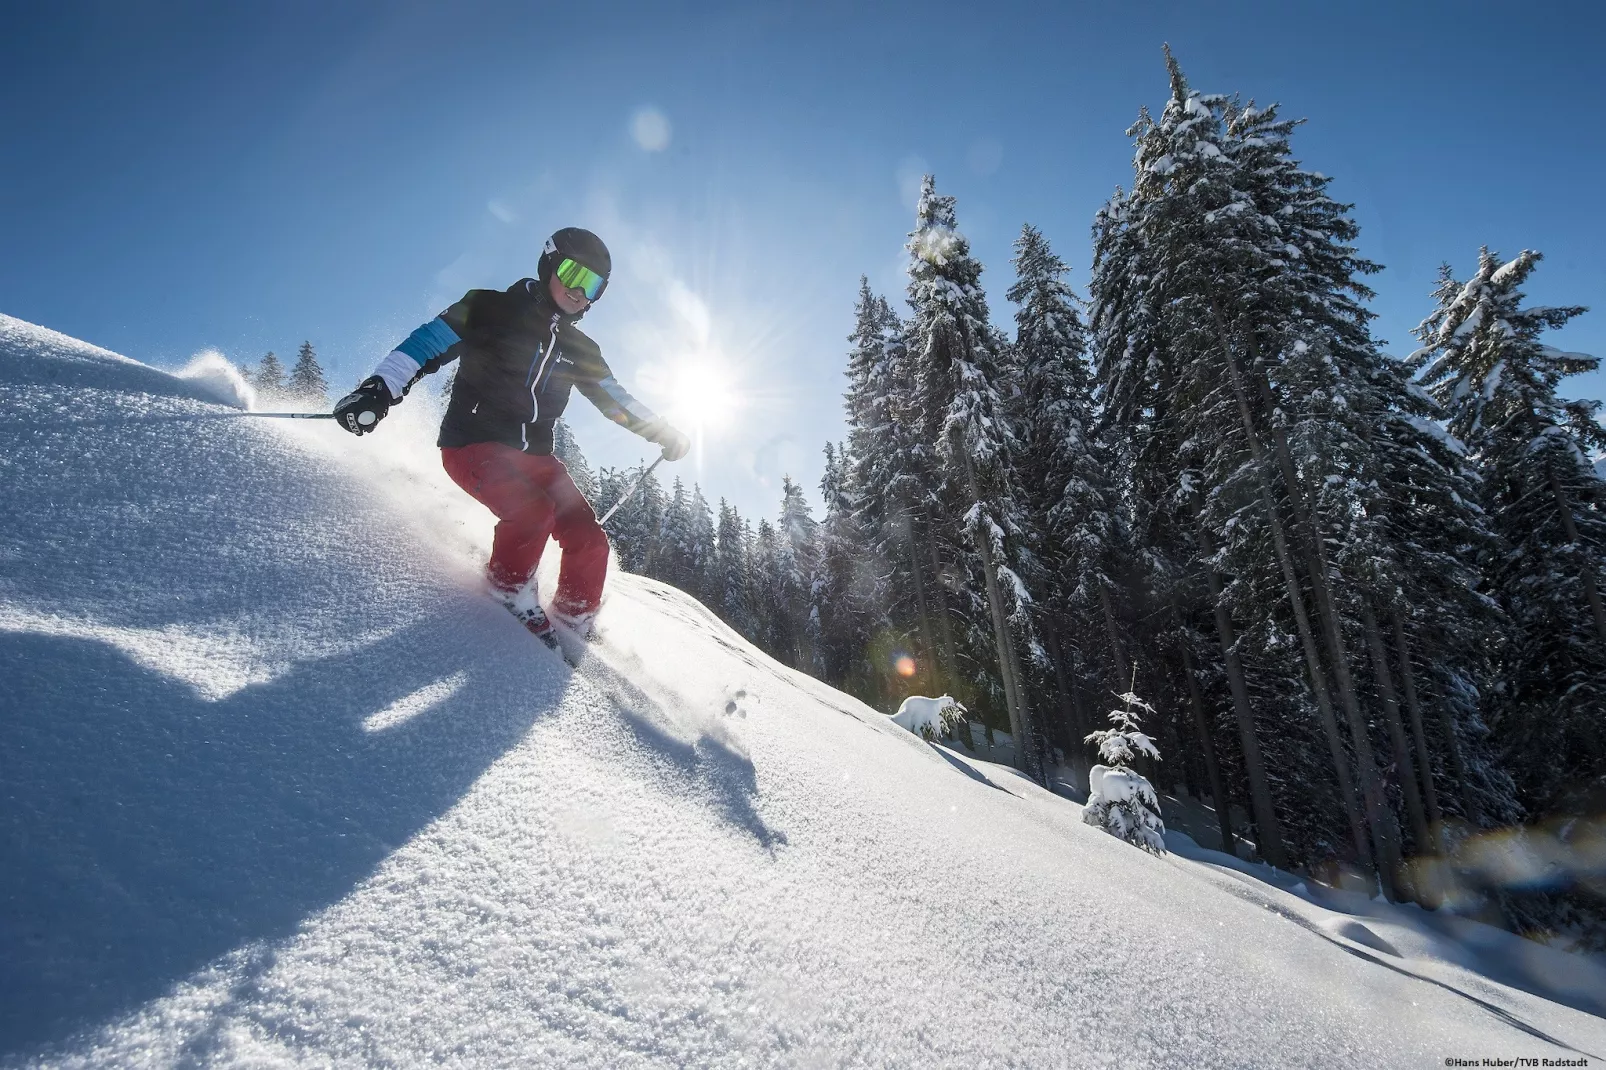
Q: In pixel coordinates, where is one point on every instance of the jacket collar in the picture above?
(540, 301)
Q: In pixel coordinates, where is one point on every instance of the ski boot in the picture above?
(526, 609)
(583, 626)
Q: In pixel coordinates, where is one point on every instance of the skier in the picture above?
(520, 354)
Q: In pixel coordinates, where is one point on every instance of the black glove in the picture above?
(361, 410)
(675, 444)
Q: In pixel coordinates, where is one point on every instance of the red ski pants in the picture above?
(533, 497)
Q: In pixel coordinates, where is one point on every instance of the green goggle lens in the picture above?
(576, 276)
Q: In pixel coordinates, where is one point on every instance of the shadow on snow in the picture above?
(147, 831)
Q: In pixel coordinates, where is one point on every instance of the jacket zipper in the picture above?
(538, 377)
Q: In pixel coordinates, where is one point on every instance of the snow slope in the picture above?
(280, 788)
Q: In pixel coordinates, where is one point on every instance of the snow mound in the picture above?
(929, 718)
(283, 788)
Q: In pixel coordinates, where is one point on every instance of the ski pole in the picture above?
(625, 497)
(286, 415)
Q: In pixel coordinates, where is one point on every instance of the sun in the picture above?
(701, 397)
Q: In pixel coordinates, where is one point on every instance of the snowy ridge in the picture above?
(282, 788)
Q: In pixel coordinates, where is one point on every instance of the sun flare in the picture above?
(701, 398)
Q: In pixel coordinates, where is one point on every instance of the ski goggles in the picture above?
(576, 276)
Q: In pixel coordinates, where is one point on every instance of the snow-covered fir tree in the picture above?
(843, 610)
(957, 355)
(1067, 478)
(1121, 800)
(771, 593)
(1159, 364)
(701, 546)
(1347, 444)
(674, 565)
(798, 560)
(1484, 361)
(269, 376)
(306, 383)
(1409, 534)
(729, 592)
(889, 464)
(1290, 492)
(636, 530)
(567, 450)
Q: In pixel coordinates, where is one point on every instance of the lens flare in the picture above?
(650, 127)
(904, 664)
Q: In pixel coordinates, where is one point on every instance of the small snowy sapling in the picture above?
(1121, 801)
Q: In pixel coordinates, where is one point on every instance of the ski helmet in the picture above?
(575, 244)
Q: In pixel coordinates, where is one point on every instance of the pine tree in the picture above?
(1171, 258)
(674, 564)
(701, 549)
(567, 450)
(654, 505)
(1067, 477)
(269, 377)
(888, 464)
(1401, 499)
(957, 354)
(730, 575)
(1315, 404)
(636, 530)
(306, 379)
(610, 483)
(799, 561)
(769, 591)
(1320, 513)
(1498, 383)
(844, 608)
(1368, 475)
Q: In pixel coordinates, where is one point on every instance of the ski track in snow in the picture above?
(282, 789)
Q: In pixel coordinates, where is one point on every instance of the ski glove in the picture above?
(361, 410)
(675, 444)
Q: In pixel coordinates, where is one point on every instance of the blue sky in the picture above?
(185, 176)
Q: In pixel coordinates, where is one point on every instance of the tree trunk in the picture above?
(945, 624)
(1201, 722)
(1170, 744)
(1452, 745)
(1013, 695)
(1586, 566)
(1270, 833)
(1413, 709)
(1067, 702)
(1377, 815)
(1296, 601)
(1391, 713)
(1083, 719)
(924, 613)
(1008, 664)
(1121, 666)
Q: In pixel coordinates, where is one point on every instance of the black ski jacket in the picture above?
(518, 358)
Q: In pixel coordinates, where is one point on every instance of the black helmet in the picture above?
(576, 244)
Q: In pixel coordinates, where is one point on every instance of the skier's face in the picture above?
(570, 302)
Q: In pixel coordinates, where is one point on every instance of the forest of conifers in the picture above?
(1361, 591)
